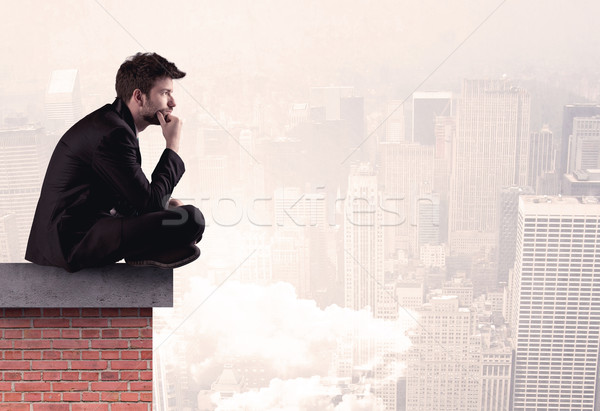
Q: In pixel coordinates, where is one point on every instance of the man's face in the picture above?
(160, 98)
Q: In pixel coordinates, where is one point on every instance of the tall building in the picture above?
(542, 155)
(395, 128)
(407, 175)
(24, 155)
(363, 240)
(571, 111)
(584, 144)
(426, 107)
(444, 368)
(507, 228)
(554, 309)
(490, 152)
(582, 183)
(63, 100)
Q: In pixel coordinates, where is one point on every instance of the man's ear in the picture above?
(136, 97)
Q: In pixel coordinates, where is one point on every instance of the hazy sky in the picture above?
(318, 42)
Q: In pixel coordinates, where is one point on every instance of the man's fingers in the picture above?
(161, 118)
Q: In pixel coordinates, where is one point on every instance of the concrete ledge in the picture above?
(116, 285)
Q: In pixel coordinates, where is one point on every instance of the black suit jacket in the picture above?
(96, 168)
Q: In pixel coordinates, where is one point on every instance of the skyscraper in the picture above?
(554, 310)
(571, 111)
(24, 155)
(542, 155)
(363, 240)
(426, 107)
(584, 144)
(63, 100)
(490, 152)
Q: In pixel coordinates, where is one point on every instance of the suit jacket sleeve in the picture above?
(116, 163)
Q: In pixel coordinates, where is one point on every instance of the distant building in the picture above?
(63, 100)
(571, 111)
(542, 156)
(490, 152)
(584, 144)
(426, 107)
(582, 183)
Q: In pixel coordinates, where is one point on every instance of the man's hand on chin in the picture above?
(173, 202)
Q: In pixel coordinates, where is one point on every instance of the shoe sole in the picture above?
(175, 264)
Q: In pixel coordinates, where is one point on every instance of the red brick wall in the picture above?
(72, 359)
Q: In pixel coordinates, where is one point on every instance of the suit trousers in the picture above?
(114, 238)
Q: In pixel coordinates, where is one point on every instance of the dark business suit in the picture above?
(97, 206)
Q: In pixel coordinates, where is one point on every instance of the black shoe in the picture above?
(166, 259)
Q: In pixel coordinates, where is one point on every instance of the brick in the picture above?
(89, 376)
(14, 407)
(51, 333)
(90, 333)
(89, 365)
(146, 312)
(70, 386)
(71, 312)
(69, 376)
(52, 355)
(129, 365)
(146, 333)
(109, 396)
(90, 407)
(69, 333)
(110, 344)
(6, 344)
(13, 312)
(71, 355)
(90, 396)
(32, 396)
(32, 312)
(146, 396)
(14, 365)
(141, 386)
(90, 355)
(146, 355)
(130, 407)
(32, 334)
(12, 334)
(50, 365)
(13, 355)
(12, 376)
(51, 407)
(32, 386)
(66, 344)
(90, 322)
(109, 386)
(71, 396)
(110, 312)
(90, 312)
(110, 355)
(51, 312)
(130, 333)
(33, 345)
(32, 355)
(109, 376)
(130, 355)
(14, 323)
(52, 396)
(129, 322)
(130, 376)
(32, 376)
(13, 396)
(130, 312)
(5, 386)
(141, 344)
(130, 396)
(111, 333)
(52, 376)
(51, 323)
(146, 375)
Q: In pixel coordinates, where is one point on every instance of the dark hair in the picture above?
(141, 71)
